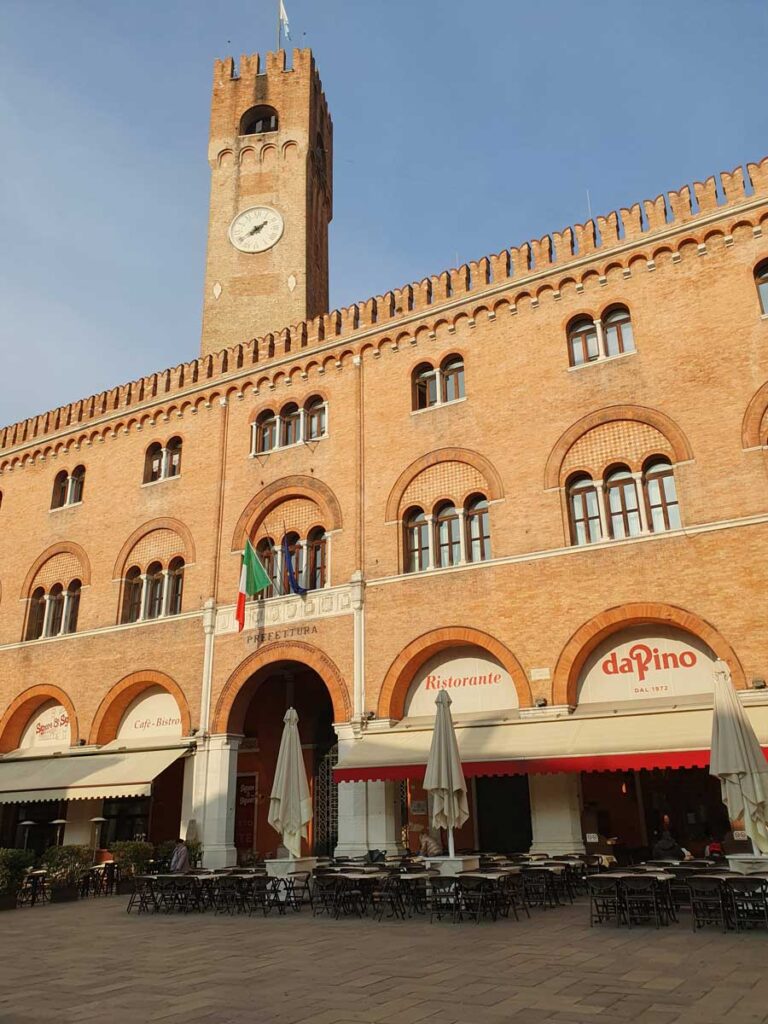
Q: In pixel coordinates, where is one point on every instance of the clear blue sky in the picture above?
(460, 127)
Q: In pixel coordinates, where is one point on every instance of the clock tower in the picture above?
(270, 152)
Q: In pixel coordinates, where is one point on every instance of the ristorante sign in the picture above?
(641, 663)
(474, 680)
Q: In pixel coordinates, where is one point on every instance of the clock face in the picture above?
(256, 229)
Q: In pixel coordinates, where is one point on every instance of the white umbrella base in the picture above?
(453, 865)
(282, 867)
(746, 862)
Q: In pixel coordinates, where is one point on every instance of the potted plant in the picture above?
(13, 868)
(131, 857)
(66, 866)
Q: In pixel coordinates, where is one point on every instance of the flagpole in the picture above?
(279, 24)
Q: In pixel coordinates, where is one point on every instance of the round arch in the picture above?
(591, 633)
(119, 698)
(753, 419)
(163, 523)
(474, 459)
(65, 547)
(306, 655)
(637, 413)
(19, 712)
(259, 507)
(400, 674)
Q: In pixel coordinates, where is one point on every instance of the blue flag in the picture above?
(293, 583)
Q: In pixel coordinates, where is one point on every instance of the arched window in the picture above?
(173, 457)
(153, 463)
(266, 432)
(623, 506)
(36, 617)
(583, 345)
(416, 541)
(447, 536)
(72, 609)
(265, 549)
(661, 496)
(258, 121)
(60, 488)
(452, 374)
(761, 282)
(55, 610)
(155, 587)
(478, 529)
(290, 421)
(617, 326)
(424, 386)
(294, 553)
(132, 591)
(584, 510)
(316, 559)
(175, 586)
(77, 485)
(314, 418)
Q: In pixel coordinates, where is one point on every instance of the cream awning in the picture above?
(83, 776)
(579, 742)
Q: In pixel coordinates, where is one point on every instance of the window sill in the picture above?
(287, 447)
(162, 480)
(602, 361)
(438, 405)
(60, 508)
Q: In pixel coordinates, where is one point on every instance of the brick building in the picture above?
(539, 481)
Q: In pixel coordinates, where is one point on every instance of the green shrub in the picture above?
(66, 865)
(13, 868)
(132, 856)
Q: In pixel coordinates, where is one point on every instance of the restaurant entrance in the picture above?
(631, 806)
(272, 691)
(503, 813)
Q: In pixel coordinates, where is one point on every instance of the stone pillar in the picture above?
(463, 554)
(369, 818)
(219, 784)
(430, 541)
(640, 491)
(188, 799)
(555, 813)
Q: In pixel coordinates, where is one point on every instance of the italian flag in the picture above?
(253, 578)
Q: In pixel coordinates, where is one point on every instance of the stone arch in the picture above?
(636, 413)
(118, 699)
(19, 712)
(306, 655)
(259, 507)
(591, 633)
(65, 547)
(471, 458)
(751, 428)
(164, 523)
(400, 674)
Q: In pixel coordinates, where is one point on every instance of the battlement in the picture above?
(596, 240)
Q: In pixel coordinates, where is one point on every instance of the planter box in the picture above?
(7, 901)
(63, 893)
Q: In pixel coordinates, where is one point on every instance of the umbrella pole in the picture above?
(451, 851)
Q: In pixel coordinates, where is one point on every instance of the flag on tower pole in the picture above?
(253, 578)
(282, 22)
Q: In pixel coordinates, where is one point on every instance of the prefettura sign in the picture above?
(641, 663)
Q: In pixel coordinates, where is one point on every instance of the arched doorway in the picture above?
(257, 712)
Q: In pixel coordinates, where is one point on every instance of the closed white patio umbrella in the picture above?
(290, 806)
(444, 777)
(738, 761)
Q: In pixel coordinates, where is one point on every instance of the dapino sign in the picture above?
(642, 661)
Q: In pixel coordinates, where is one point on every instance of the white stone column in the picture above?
(278, 431)
(188, 797)
(601, 342)
(70, 489)
(430, 541)
(369, 818)
(327, 555)
(65, 612)
(602, 504)
(144, 597)
(302, 424)
(303, 566)
(217, 824)
(164, 463)
(462, 535)
(47, 616)
(555, 813)
(166, 592)
(638, 478)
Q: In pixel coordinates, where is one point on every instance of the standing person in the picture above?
(180, 858)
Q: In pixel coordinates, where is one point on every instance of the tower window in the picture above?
(258, 121)
(761, 282)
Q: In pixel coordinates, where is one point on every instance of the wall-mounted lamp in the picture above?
(540, 702)
(370, 715)
(758, 684)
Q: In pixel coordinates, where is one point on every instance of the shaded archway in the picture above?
(588, 636)
(400, 674)
(274, 494)
(18, 714)
(484, 467)
(235, 695)
(63, 548)
(119, 698)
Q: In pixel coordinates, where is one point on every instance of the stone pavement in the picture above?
(90, 961)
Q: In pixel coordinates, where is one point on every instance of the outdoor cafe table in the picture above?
(492, 876)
